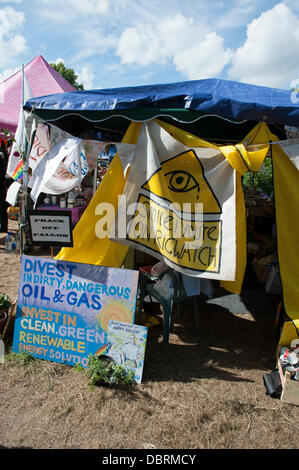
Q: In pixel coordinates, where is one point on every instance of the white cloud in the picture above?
(66, 11)
(92, 42)
(7, 73)
(85, 74)
(159, 41)
(88, 7)
(86, 77)
(138, 47)
(10, 21)
(142, 34)
(12, 43)
(135, 38)
(194, 51)
(269, 56)
(203, 60)
(239, 12)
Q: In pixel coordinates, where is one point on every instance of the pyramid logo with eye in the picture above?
(181, 180)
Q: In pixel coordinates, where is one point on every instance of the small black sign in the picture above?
(51, 227)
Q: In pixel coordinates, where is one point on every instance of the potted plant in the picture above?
(104, 370)
(5, 303)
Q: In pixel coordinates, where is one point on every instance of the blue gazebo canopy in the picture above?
(185, 102)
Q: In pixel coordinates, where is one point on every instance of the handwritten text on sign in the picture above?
(204, 257)
(64, 308)
(51, 228)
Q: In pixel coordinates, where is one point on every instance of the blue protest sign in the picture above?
(64, 308)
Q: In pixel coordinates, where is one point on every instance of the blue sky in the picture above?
(114, 43)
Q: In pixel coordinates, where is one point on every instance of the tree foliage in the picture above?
(260, 181)
(69, 74)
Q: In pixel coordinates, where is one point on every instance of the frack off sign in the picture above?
(64, 308)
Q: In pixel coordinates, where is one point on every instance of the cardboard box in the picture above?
(290, 388)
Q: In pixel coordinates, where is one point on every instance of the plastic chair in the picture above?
(148, 287)
(181, 297)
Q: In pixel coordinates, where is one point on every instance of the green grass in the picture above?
(22, 358)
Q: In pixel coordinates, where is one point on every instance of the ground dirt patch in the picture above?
(196, 393)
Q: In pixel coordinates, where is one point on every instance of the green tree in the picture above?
(258, 180)
(68, 73)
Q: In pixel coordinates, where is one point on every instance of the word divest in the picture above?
(64, 308)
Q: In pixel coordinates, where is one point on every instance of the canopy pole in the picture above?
(25, 174)
(95, 176)
(26, 149)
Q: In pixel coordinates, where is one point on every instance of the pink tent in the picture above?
(42, 79)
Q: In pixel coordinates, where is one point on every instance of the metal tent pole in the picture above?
(23, 199)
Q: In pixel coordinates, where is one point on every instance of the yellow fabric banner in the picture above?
(286, 190)
(243, 160)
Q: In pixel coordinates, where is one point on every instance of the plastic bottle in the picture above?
(18, 241)
(79, 200)
(13, 245)
(8, 242)
(71, 199)
(62, 202)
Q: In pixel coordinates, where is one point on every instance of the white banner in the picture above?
(12, 193)
(40, 147)
(186, 205)
(19, 144)
(51, 175)
(291, 148)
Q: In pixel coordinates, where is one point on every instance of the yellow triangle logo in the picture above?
(181, 180)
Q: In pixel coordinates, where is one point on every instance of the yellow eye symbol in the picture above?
(181, 179)
(181, 182)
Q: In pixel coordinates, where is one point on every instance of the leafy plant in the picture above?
(4, 301)
(102, 369)
(260, 181)
(22, 358)
(78, 367)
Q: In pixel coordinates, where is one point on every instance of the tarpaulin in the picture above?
(185, 101)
